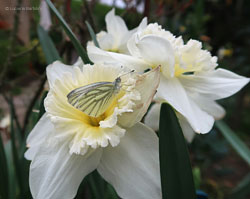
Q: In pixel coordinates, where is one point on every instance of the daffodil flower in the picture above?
(189, 79)
(117, 35)
(153, 117)
(67, 144)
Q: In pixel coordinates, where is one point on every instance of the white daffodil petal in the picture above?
(56, 70)
(131, 44)
(38, 136)
(143, 24)
(173, 92)
(152, 119)
(204, 120)
(98, 55)
(187, 130)
(130, 62)
(213, 108)
(146, 85)
(133, 166)
(209, 106)
(132, 47)
(106, 42)
(157, 51)
(55, 174)
(215, 84)
(115, 24)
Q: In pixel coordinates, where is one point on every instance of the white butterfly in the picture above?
(94, 99)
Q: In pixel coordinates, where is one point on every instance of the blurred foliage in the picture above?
(222, 26)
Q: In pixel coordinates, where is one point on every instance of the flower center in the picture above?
(189, 70)
(94, 121)
(114, 50)
(179, 71)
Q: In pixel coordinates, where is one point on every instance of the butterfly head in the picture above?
(123, 81)
(117, 84)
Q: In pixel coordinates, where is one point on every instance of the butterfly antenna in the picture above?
(127, 73)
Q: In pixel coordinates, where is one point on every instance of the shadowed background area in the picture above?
(221, 25)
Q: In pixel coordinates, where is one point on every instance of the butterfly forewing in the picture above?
(93, 99)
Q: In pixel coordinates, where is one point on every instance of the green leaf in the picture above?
(11, 170)
(176, 172)
(99, 188)
(14, 149)
(12, 106)
(97, 185)
(92, 34)
(48, 47)
(93, 187)
(110, 193)
(42, 108)
(80, 50)
(4, 180)
(239, 146)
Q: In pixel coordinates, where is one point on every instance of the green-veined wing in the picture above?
(95, 98)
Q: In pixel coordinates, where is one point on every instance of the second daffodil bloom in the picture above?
(189, 81)
(117, 35)
(67, 144)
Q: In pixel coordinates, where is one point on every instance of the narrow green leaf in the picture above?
(19, 136)
(81, 52)
(97, 185)
(4, 180)
(48, 47)
(239, 146)
(42, 108)
(11, 170)
(17, 165)
(92, 34)
(111, 193)
(176, 172)
(93, 188)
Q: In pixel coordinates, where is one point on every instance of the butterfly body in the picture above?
(94, 99)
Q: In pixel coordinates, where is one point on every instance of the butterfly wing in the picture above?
(93, 99)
